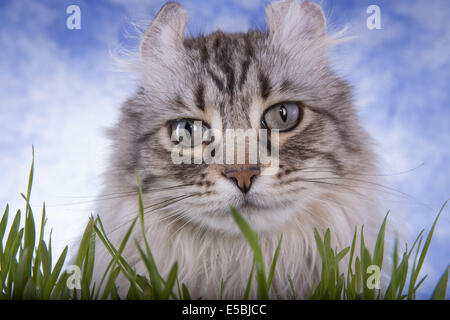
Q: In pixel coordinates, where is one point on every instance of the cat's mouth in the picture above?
(251, 202)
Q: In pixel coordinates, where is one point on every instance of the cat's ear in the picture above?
(165, 32)
(292, 20)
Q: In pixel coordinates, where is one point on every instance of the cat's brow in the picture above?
(287, 85)
(179, 103)
(223, 52)
(246, 63)
(200, 97)
(265, 85)
(204, 54)
(219, 84)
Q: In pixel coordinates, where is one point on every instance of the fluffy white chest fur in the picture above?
(206, 258)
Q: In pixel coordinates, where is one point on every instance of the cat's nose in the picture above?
(243, 178)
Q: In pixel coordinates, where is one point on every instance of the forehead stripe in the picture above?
(264, 85)
(200, 97)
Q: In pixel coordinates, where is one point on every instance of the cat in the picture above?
(278, 79)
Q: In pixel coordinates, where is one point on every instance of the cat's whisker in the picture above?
(149, 190)
(353, 179)
(353, 188)
(166, 203)
(97, 196)
(115, 195)
(363, 181)
(90, 201)
(381, 188)
(188, 220)
(333, 201)
(314, 169)
(348, 178)
(179, 215)
(175, 215)
(181, 197)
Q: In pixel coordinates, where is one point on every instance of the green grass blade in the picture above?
(29, 230)
(249, 234)
(291, 284)
(12, 234)
(3, 223)
(43, 223)
(186, 294)
(274, 262)
(342, 254)
(252, 239)
(155, 278)
(88, 269)
(115, 260)
(84, 243)
(110, 288)
(402, 275)
(45, 259)
(440, 290)
(378, 251)
(29, 292)
(30, 179)
(14, 248)
(319, 243)
(60, 290)
(249, 282)
(22, 274)
(420, 283)
(423, 254)
(37, 260)
(170, 282)
(55, 274)
(221, 290)
(126, 269)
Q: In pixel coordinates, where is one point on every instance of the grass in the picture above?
(27, 271)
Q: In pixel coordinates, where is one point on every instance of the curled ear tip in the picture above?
(311, 5)
(171, 6)
(166, 29)
(314, 9)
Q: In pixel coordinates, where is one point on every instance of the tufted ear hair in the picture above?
(290, 21)
(166, 31)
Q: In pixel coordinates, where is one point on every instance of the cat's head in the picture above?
(274, 80)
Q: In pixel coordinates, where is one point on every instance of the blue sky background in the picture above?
(59, 89)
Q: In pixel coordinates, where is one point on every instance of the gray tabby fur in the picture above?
(327, 166)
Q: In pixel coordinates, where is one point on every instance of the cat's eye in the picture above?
(283, 116)
(188, 132)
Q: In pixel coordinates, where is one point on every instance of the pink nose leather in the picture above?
(242, 178)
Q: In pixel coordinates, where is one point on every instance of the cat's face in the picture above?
(274, 80)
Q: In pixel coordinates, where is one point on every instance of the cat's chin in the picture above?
(250, 205)
(261, 218)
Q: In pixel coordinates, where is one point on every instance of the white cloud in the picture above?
(59, 104)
